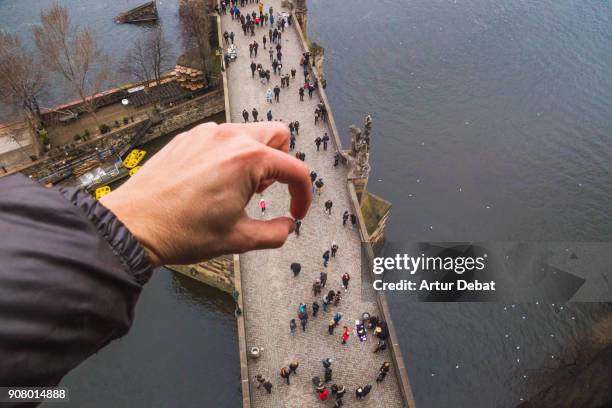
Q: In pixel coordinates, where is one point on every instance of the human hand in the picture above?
(186, 204)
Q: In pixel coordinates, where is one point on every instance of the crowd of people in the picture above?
(265, 72)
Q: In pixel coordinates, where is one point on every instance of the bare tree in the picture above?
(73, 53)
(197, 26)
(147, 58)
(22, 77)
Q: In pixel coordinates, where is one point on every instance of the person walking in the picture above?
(330, 327)
(345, 281)
(323, 393)
(310, 91)
(337, 317)
(292, 327)
(276, 93)
(336, 158)
(231, 36)
(353, 220)
(334, 389)
(268, 386)
(327, 362)
(316, 116)
(255, 113)
(328, 208)
(337, 298)
(359, 393)
(339, 394)
(260, 380)
(345, 217)
(298, 225)
(366, 390)
(271, 52)
(253, 68)
(323, 278)
(340, 391)
(226, 37)
(325, 140)
(334, 249)
(316, 287)
(284, 373)
(303, 320)
(317, 140)
(255, 48)
(301, 93)
(326, 303)
(293, 71)
(296, 124)
(296, 268)
(328, 374)
(292, 142)
(245, 115)
(269, 116)
(345, 335)
(264, 40)
(326, 258)
(262, 205)
(381, 346)
(269, 95)
(313, 178)
(315, 309)
(293, 366)
(384, 370)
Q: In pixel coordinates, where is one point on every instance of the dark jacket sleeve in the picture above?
(70, 276)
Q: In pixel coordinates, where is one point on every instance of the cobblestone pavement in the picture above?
(270, 292)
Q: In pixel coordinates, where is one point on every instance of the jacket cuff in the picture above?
(132, 255)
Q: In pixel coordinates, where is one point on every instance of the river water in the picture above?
(491, 122)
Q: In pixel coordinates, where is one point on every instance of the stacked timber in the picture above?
(144, 13)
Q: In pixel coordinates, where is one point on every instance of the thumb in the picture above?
(255, 234)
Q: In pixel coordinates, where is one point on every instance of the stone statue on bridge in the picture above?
(359, 155)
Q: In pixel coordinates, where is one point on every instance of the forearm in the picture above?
(70, 275)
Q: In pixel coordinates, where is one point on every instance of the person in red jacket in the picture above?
(345, 335)
(323, 394)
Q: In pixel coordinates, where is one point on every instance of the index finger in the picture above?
(272, 134)
(287, 169)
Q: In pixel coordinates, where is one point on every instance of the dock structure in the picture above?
(270, 294)
(144, 13)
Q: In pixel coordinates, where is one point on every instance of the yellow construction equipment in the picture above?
(102, 191)
(134, 158)
(134, 170)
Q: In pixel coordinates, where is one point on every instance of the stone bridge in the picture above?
(270, 293)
